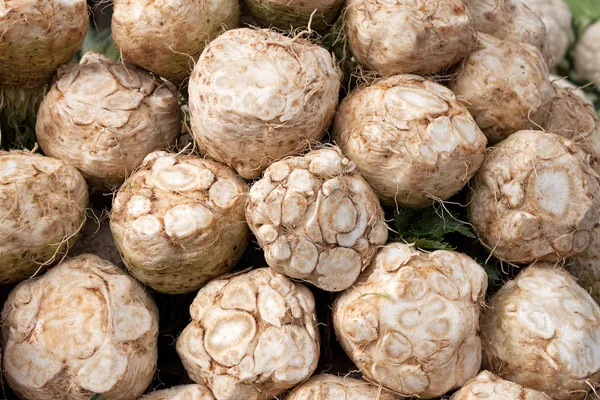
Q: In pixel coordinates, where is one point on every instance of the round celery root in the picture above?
(587, 61)
(179, 221)
(42, 203)
(257, 96)
(556, 17)
(183, 392)
(37, 37)
(331, 387)
(505, 86)
(542, 331)
(401, 37)
(252, 336)
(535, 197)
(564, 82)
(410, 138)
(585, 267)
(166, 36)
(96, 238)
(85, 327)
(286, 14)
(411, 322)
(574, 118)
(510, 20)
(490, 387)
(316, 219)
(104, 117)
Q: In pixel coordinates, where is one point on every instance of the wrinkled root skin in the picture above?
(331, 387)
(317, 219)
(536, 197)
(179, 221)
(252, 336)
(411, 140)
(400, 37)
(411, 322)
(587, 64)
(168, 37)
(505, 86)
(257, 96)
(85, 327)
(487, 386)
(96, 238)
(42, 203)
(183, 392)
(510, 20)
(557, 18)
(104, 117)
(37, 37)
(542, 331)
(575, 119)
(284, 14)
(585, 267)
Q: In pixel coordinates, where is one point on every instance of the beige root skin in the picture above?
(179, 221)
(411, 322)
(104, 117)
(331, 387)
(487, 386)
(575, 119)
(556, 17)
(85, 327)
(510, 20)
(587, 63)
(542, 331)
(410, 139)
(536, 197)
(167, 37)
(42, 203)
(585, 267)
(399, 37)
(564, 82)
(252, 336)
(183, 392)
(317, 219)
(286, 14)
(257, 96)
(505, 86)
(96, 238)
(37, 37)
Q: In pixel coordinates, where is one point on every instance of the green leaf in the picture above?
(97, 396)
(429, 244)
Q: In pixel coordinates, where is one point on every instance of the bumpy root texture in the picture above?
(183, 392)
(542, 331)
(487, 386)
(179, 221)
(37, 37)
(411, 322)
(505, 86)
(85, 327)
(42, 204)
(585, 267)
(317, 219)
(575, 119)
(257, 96)
(331, 387)
(252, 336)
(509, 20)
(536, 197)
(104, 117)
(565, 83)
(401, 37)
(166, 37)
(96, 238)
(410, 139)
(286, 14)
(587, 63)
(556, 17)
